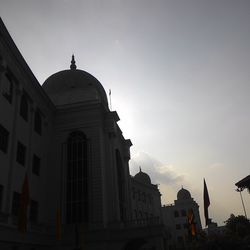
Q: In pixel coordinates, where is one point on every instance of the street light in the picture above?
(243, 205)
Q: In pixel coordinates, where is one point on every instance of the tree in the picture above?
(238, 225)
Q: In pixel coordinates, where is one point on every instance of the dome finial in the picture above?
(73, 62)
(140, 168)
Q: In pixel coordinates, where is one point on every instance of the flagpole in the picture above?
(110, 99)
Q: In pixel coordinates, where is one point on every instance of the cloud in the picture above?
(159, 173)
(216, 165)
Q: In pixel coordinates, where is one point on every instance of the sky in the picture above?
(179, 73)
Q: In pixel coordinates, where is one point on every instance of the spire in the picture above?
(73, 62)
(140, 168)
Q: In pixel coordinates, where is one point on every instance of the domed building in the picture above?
(64, 177)
(182, 219)
(146, 199)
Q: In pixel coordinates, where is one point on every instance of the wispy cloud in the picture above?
(216, 165)
(159, 172)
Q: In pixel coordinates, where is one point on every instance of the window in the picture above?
(4, 137)
(143, 197)
(7, 87)
(179, 239)
(77, 178)
(16, 199)
(178, 226)
(24, 108)
(1, 197)
(36, 163)
(21, 153)
(133, 193)
(38, 123)
(183, 212)
(120, 184)
(176, 213)
(33, 211)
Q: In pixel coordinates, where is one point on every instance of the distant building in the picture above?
(146, 199)
(64, 164)
(176, 217)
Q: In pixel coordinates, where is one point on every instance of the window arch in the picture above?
(24, 109)
(38, 122)
(77, 178)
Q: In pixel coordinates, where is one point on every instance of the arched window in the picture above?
(120, 183)
(38, 122)
(24, 108)
(77, 178)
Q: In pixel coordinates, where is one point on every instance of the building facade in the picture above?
(64, 177)
(182, 219)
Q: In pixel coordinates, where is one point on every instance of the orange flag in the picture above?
(24, 203)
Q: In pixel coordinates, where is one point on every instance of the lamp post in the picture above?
(243, 205)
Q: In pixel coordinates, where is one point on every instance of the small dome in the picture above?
(183, 194)
(74, 86)
(143, 177)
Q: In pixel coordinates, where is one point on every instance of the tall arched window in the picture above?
(120, 183)
(24, 111)
(77, 178)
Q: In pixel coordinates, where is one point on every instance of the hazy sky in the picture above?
(179, 71)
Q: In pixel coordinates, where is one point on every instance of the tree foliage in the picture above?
(238, 225)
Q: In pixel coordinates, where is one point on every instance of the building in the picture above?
(146, 199)
(64, 177)
(182, 219)
(243, 183)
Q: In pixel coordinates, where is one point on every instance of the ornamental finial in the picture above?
(73, 62)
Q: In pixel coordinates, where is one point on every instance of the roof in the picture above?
(183, 194)
(74, 86)
(143, 177)
(244, 183)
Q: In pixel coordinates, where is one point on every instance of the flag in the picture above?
(109, 92)
(192, 227)
(24, 203)
(206, 203)
(58, 225)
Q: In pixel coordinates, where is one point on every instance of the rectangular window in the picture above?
(4, 138)
(36, 163)
(7, 87)
(183, 212)
(1, 197)
(38, 123)
(21, 153)
(33, 211)
(16, 200)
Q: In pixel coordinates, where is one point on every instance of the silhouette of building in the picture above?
(244, 183)
(64, 164)
(182, 219)
(146, 199)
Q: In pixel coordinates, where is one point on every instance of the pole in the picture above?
(243, 205)
(110, 99)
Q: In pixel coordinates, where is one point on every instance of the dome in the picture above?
(183, 194)
(143, 177)
(74, 86)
